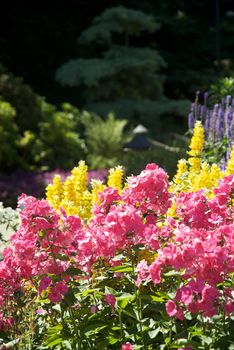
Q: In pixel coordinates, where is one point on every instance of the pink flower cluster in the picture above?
(198, 242)
(202, 249)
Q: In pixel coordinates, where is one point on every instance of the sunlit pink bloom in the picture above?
(127, 346)
(110, 300)
(155, 272)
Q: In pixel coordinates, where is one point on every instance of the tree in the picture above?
(123, 76)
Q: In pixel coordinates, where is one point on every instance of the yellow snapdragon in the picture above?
(197, 141)
(115, 178)
(54, 192)
(74, 195)
(195, 174)
(230, 164)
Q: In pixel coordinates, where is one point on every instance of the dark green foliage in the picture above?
(125, 78)
(156, 115)
(27, 103)
(117, 20)
(221, 88)
(8, 136)
(47, 34)
(33, 133)
(135, 161)
(59, 144)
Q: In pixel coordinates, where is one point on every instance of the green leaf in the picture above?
(94, 330)
(113, 340)
(207, 340)
(73, 271)
(132, 312)
(52, 343)
(153, 334)
(121, 268)
(124, 300)
(172, 273)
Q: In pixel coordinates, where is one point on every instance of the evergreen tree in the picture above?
(124, 76)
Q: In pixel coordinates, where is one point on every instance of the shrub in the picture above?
(105, 140)
(131, 276)
(8, 136)
(28, 104)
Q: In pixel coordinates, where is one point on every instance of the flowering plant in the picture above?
(131, 275)
(218, 122)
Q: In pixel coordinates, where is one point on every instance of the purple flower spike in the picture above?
(228, 100)
(190, 121)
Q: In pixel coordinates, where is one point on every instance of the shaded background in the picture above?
(36, 37)
(195, 39)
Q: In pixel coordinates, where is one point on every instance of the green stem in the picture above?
(77, 332)
(139, 309)
(121, 325)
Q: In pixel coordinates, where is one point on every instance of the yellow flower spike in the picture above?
(195, 165)
(215, 174)
(97, 187)
(69, 194)
(115, 178)
(54, 192)
(180, 180)
(80, 176)
(230, 164)
(182, 169)
(197, 141)
(85, 205)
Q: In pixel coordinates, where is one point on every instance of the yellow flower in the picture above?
(54, 192)
(115, 178)
(197, 141)
(97, 187)
(80, 177)
(230, 164)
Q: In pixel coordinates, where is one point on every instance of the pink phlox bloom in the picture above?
(143, 272)
(93, 309)
(110, 300)
(41, 311)
(229, 307)
(210, 297)
(127, 346)
(184, 295)
(224, 189)
(61, 287)
(155, 271)
(148, 190)
(173, 311)
(45, 282)
(107, 198)
(54, 296)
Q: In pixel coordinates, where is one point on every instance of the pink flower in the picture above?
(229, 307)
(171, 308)
(126, 346)
(143, 273)
(110, 300)
(44, 283)
(155, 272)
(61, 287)
(57, 292)
(93, 309)
(54, 296)
(41, 311)
(173, 311)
